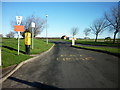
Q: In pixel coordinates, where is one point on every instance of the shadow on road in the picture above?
(115, 54)
(10, 48)
(35, 84)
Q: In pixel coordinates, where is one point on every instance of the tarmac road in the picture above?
(67, 67)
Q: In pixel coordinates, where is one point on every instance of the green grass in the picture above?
(56, 39)
(9, 50)
(98, 43)
(89, 42)
(112, 50)
(40, 46)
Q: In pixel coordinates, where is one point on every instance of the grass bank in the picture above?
(98, 43)
(9, 50)
(89, 42)
(111, 50)
(104, 49)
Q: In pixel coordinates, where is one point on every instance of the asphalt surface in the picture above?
(67, 67)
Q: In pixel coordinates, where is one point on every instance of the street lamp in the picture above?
(46, 29)
(0, 56)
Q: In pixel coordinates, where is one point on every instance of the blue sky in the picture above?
(62, 16)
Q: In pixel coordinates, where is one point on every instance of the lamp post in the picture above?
(0, 57)
(46, 29)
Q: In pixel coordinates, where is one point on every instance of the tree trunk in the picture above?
(114, 37)
(96, 38)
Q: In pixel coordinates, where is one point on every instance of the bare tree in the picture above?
(87, 31)
(39, 24)
(113, 19)
(74, 31)
(10, 35)
(98, 27)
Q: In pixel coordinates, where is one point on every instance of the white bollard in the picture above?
(73, 42)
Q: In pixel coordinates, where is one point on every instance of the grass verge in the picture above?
(9, 50)
(111, 50)
(99, 43)
(96, 43)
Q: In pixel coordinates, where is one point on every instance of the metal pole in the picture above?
(1, 37)
(46, 30)
(32, 38)
(0, 56)
(18, 41)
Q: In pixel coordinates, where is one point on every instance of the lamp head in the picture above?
(46, 15)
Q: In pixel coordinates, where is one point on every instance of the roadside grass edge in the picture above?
(22, 63)
(111, 51)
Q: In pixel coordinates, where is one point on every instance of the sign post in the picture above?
(33, 26)
(18, 41)
(19, 29)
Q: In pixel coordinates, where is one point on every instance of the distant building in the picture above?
(70, 38)
(86, 38)
(107, 39)
(79, 38)
(64, 37)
